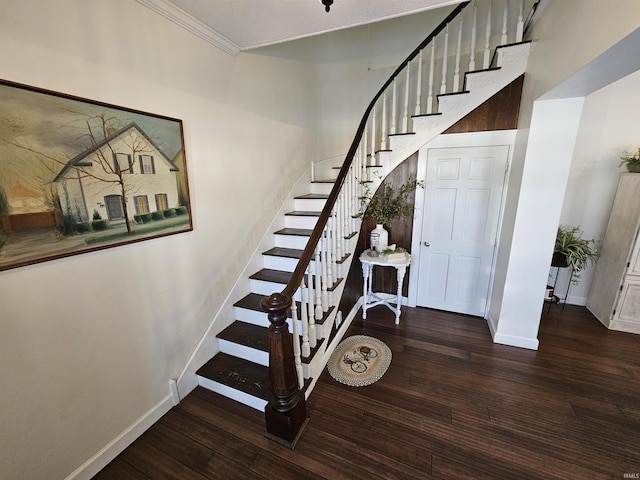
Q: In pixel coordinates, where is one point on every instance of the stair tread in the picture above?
(247, 334)
(301, 232)
(313, 196)
(303, 213)
(250, 302)
(328, 180)
(237, 373)
(270, 275)
(284, 252)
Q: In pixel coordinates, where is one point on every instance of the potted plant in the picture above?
(389, 204)
(631, 160)
(571, 250)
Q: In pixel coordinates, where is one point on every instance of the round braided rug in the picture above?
(359, 361)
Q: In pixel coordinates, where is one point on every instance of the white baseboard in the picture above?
(102, 458)
(510, 340)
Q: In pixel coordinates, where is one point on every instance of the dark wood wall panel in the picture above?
(500, 112)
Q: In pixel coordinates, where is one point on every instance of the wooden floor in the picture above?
(453, 405)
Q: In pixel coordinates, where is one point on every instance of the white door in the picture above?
(463, 197)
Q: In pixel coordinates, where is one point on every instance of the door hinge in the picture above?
(621, 287)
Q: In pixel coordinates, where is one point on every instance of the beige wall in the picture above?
(89, 343)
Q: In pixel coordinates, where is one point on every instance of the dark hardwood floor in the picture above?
(453, 405)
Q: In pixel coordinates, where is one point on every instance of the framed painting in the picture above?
(79, 175)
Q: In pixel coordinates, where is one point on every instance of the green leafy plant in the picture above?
(395, 249)
(390, 203)
(579, 252)
(629, 158)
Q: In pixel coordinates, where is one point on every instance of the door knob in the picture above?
(427, 244)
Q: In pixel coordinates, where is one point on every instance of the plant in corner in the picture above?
(631, 160)
(388, 204)
(574, 251)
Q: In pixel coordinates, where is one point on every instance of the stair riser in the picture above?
(242, 351)
(282, 263)
(309, 204)
(291, 241)
(232, 393)
(261, 319)
(323, 188)
(262, 287)
(300, 221)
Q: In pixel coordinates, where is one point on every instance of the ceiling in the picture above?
(236, 25)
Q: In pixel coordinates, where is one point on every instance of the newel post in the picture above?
(286, 412)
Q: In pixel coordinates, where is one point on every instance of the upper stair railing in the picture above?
(463, 42)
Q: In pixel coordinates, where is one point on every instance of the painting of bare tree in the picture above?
(78, 175)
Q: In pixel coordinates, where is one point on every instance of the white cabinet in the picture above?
(615, 292)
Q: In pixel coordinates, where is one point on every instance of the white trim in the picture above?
(511, 340)
(189, 23)
(115, 447)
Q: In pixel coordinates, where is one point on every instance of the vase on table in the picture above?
(379, 238)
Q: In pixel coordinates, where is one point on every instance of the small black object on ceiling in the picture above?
(327, 4)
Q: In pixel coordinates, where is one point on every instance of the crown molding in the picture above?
(191, 24)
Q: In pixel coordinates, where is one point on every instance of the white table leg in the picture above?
(400, 275)
(365, 289)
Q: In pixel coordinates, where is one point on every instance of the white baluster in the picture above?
(338, 234)
(445, 48)
(472, 48)
(296, 344)
(313, 339)
(304, 318)
(363, 146)
(318, 283)
(394, 105)
(487, 38)
(324, 246)
(505, 19)
(520, 24)
(405, 110)
(416, 110)
(456, 76)
(351, 199)
(333, 248)
(383, 123)
(373, 136)
(431, 68)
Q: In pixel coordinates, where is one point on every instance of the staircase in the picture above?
(388, 135)
(239, 370)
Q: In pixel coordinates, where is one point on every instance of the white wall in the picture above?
(609, 126)
(83, 362)
(89, 343)
(570, 35)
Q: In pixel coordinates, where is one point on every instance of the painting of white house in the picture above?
(78, 175)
